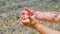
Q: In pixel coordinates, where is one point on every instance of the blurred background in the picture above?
(9, 15)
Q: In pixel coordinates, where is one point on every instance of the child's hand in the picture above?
(27, 17)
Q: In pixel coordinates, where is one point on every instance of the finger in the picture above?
(27, 9)
(30, 12)
(22, 17)
(25, 16)
(23, 12)
(25, 22)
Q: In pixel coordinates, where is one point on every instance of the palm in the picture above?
(25, 17)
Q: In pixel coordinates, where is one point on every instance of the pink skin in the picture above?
(52, 17)
(27, 15)
(24, 19)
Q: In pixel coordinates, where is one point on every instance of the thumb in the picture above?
(33, 20)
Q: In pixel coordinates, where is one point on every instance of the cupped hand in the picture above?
(28, 17)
